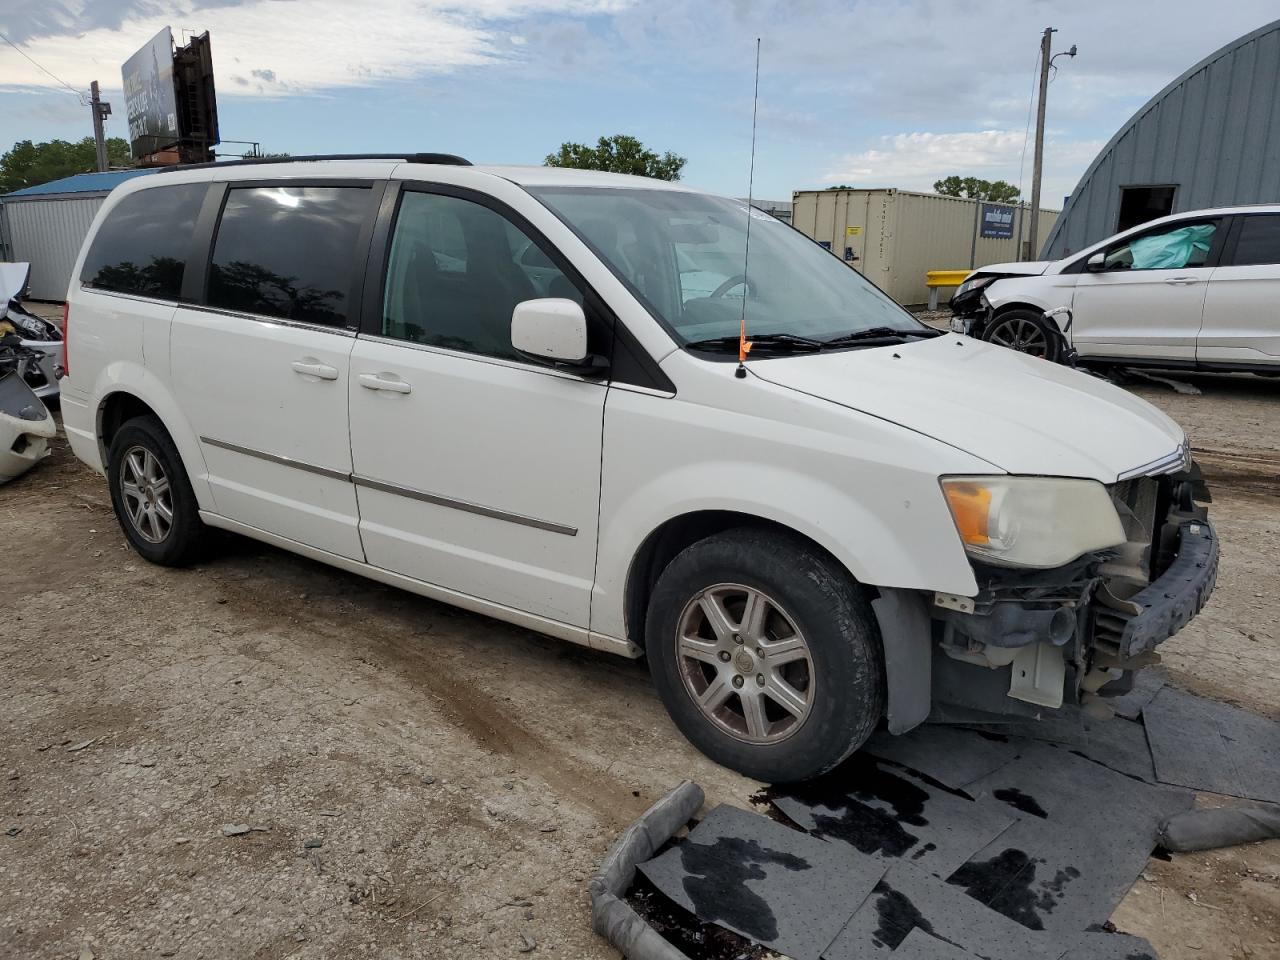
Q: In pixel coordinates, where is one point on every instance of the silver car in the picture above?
(39, 336)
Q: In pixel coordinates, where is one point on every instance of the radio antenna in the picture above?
(744, 345)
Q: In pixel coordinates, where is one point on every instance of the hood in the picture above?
(1019, 413)
(13, 281)
(1031, 268)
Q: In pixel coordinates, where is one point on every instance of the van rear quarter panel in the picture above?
(863, 488)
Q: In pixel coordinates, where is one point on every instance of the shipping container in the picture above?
(894, 237)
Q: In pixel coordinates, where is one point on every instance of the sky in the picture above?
(870, 93)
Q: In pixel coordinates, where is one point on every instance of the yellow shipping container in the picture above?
(894, 237)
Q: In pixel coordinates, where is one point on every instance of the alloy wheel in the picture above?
(1021, 334)
(745, 663)
(148, 499)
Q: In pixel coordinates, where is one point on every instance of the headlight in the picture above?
(1040, 522)
(976, 283)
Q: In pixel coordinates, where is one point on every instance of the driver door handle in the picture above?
(314, 368)
(1182, 281)
(372, 381)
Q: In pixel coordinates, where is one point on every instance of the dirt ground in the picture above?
(419, 782)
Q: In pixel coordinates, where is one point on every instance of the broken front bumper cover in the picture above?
(1167, 604)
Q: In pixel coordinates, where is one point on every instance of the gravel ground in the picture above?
(419, 782)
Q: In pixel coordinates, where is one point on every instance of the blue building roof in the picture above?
(80, 183)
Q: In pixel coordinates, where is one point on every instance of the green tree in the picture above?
(618, 154)
(999, 191)
(28, 164)
(842, 186)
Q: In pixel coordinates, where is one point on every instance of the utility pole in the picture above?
(100, 112)
(1046, 45)
(1037, 169)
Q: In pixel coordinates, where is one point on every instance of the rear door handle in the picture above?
(372, 381)
(1182, 281)
(309, 367)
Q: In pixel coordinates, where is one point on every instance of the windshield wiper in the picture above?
(880, 335)
(785, 341)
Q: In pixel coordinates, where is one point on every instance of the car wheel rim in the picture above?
(147, 495)
(745, 663)
(1022, 335)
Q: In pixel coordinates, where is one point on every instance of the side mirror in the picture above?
(554, 330)
(1097, 263)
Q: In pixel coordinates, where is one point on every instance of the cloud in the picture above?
(914, 161)
(319, 45)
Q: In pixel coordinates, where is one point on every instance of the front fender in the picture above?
(126, 376)
(880, 515)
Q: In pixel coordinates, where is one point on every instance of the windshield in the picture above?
(682, 254)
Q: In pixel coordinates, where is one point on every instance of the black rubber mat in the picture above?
(768, 882)
(909, 899)
(1116, 743)
(949, 755)
(878, 808)
(1085, 834)
(1210, 746)
(1146, 684)
(920, 946)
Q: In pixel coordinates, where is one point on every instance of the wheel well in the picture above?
(664, 543)
(117, 410)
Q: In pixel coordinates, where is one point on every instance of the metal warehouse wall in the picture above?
(899, 236)
(1213, 134)
(47, 232)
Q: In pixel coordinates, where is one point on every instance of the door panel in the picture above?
(261, 369)
(484, 477)
(1242, 308)
(476, 468)
(236, 381)
(1148, 300)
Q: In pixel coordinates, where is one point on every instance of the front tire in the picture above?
(1027, 332)
(766, 654)
(151, 494)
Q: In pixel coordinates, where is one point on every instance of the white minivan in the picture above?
(518, 390)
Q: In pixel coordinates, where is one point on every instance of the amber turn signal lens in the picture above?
(971, 507)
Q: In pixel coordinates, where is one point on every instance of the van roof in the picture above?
(384, 166)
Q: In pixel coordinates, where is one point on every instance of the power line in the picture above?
(43, 70)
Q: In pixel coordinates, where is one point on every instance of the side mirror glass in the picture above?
(1097, 262)
(550, 329)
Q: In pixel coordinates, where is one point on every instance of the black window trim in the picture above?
(195, 286)
(643, 373)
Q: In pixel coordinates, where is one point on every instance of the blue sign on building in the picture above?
(997, 222)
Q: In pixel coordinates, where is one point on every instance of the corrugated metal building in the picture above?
(895, 237)
(1211, 138)
(45, 225)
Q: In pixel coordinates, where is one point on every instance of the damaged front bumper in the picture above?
(1033, 639)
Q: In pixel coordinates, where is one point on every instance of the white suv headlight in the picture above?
(1040, 522)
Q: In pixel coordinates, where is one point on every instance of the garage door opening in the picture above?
(1140, 204)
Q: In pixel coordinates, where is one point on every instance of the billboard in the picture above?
(197, 105)
(997, 221)
(150, 98)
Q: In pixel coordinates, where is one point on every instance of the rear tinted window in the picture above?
(289, 252)
(143, 245)
(1259, 240)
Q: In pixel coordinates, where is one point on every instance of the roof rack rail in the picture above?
(448, 159)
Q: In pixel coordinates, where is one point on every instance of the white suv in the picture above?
(517, 390)
(1196, 290)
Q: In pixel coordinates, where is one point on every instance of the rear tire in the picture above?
(766, 654)
(151, 494)
(1027, 332)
